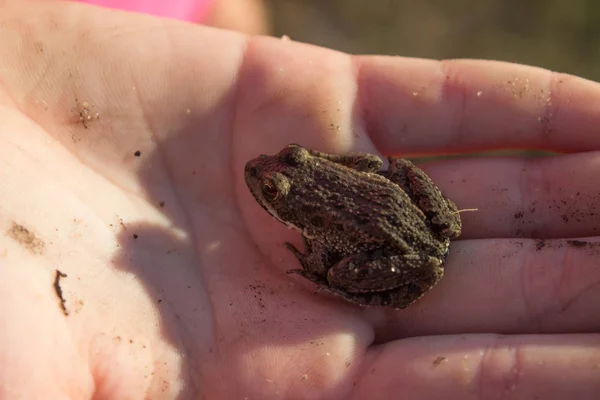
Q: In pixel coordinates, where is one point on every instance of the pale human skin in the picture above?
(189, 298)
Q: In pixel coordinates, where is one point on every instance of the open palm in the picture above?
(135, 263)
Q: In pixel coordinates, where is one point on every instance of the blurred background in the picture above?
(555, 34)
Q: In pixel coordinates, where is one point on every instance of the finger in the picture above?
(505, 286)
(483, 366)
(545, 197)
(423, 106)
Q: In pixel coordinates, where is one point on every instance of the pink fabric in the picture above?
(187, 10)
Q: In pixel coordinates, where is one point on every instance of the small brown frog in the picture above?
(377, 238)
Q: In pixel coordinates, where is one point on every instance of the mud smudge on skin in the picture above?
(26, 238)
(578, 243)
(58, 290)
(540, 244)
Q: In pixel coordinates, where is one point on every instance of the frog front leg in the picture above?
(380, 280)
(314, 261)
(440, 211)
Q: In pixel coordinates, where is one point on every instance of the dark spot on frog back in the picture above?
(308, 209)
(362, 219)
(317, 221)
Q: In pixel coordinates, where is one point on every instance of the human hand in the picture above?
(122, 145)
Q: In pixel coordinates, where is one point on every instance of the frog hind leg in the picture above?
(395, 281)
(441, 211)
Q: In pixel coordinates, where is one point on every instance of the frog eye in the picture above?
(270, 191)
